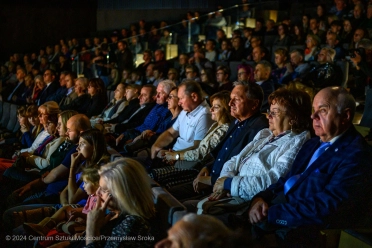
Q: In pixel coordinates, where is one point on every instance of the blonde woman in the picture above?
(124, 189)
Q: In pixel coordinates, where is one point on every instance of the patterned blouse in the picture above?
(210, 141)
(125, 231)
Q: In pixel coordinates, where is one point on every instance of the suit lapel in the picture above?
(328, 157)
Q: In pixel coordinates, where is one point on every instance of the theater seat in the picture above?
(344, 65)
(168, 210)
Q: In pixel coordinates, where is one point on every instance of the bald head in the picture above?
(334, 109)
(75, 125)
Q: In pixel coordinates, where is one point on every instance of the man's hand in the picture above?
(23, 189)
(146, 135)
(218, 186)
(202, 180)
(154, 151)
(258, 210)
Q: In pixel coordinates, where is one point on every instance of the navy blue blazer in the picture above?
(52, 88)
(332, 193)
(254, 124)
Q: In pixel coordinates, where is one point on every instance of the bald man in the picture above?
(46, 188)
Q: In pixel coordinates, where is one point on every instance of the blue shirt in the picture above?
(157, 115)
(222, 156)
(56, 187)
(164, 125)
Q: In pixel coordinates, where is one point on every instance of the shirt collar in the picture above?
(197, 109)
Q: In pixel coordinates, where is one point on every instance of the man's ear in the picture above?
(346, 116)
(194, 96)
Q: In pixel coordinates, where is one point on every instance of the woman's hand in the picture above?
(215, 196)
(76, 159)
(23, 189)
(96, 219)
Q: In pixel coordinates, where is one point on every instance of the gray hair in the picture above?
(168, 85)
(265, 64)
(344, 100)
(365, 43)
(252, 91)
(84, 81)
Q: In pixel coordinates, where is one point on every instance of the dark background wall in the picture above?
(26, 26)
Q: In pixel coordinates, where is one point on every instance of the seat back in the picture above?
(366, 120)
(6, 114)
(168, 209)
(344, 65)
(293, 47)
(234, 70)
(13, 117)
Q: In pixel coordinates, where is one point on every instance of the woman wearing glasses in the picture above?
(272, 151)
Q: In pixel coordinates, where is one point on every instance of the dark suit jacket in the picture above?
(18, 93)
(255, 124)
(79, 104)
(136, 120)
(58, 95)
(128, 111)
(332, 193)
(52, 88)
(268, 87)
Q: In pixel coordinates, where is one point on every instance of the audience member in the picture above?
(245, 104)
(262, 77)
(197, 116)
(272, 151)
(326, 73)
(336, 199)
(186, 164)
(223, 78)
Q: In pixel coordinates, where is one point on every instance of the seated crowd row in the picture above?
(287, 175)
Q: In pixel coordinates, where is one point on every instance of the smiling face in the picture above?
(145, 96)
(85, 148)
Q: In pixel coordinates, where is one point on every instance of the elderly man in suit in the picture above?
(329, 180)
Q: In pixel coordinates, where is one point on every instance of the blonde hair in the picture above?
(65, 115)
(130, 187)
(51, 107)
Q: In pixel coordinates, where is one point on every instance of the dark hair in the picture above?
(193, 68)
(153, 89)
(211, 76)
(225, 69)
(98, 84)
(192, 87)
(95, 138)
(297, 104)
(224, 97)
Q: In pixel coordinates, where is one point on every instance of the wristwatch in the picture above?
(177, 156)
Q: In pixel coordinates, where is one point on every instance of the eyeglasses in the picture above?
(170, 97)
(272, 113)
